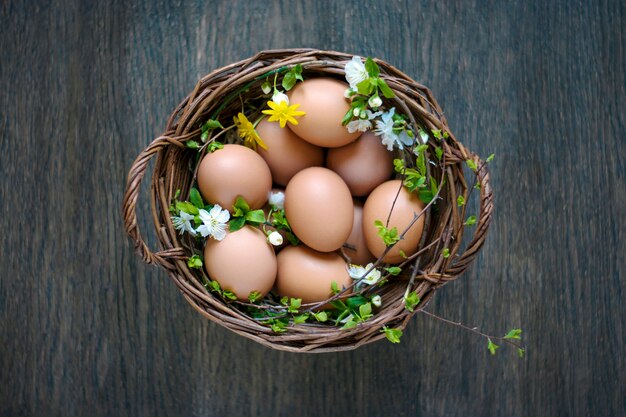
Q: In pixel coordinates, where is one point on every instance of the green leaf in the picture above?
(434, 187)
(195, 262)
(347, 117)
(254, 296)
(520, 352)
(513, 334)
(471, 220)
(389, 236)
(426, 196)
(365, 311)
(215, 286)
(255, 217)
(213, 124)
(471, 164)
(356, 302)
(229, 295)
(289, 80)
(350, 324)
(215, 145)
(436, 133)
(402, 254)
(302, 318)
(492, 347)
(393, 335)
(236, 223)
(460, 201)
(294, 305)
(371, 67)
(298, 71)
(439, 152)
(394, 270)
(284, 300)
(322, 316)
(384, 88)
(240, 207)
(293, 240)
(278, 327)
(411, 300)
(446, 253)
(490, 157)
(334, 288)
(192, 144)
(186, 207)
(196, 198)
(365, 87)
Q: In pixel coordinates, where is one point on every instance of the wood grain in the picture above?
(87, 329)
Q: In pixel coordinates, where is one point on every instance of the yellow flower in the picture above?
(283, 113)
(246, 131)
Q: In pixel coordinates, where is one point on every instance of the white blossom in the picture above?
(183, 223)
(405, 139)
(362, 125)
(384, 128)
(355, 72)
(214, 222)
(375, 102)
(357, 272)
(377, 301)
(275, 239)
(276, 199)
(277, 97)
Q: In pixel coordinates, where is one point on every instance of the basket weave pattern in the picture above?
(424, 272)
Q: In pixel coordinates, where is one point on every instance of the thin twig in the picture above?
(472, 329)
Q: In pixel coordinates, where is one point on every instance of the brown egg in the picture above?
(235, 170)
(377, 207)
(325, 105)
(307, 274)
(363, 164)
(319, 208)
(242, 262)
(286, 153)
(360, 255)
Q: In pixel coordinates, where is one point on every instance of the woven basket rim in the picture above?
(172, 171)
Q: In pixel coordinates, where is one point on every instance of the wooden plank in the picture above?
(88, 329)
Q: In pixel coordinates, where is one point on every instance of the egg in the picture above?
(232, 171)
(308, 274)
(356, 249)
(377, 207)
(362, 164)
(242, 262)
(323, 101)
(319, 208)
(286, 153)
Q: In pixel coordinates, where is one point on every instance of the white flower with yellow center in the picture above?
(357, 272)
(183, 223)
(355, 72)
(214, 222)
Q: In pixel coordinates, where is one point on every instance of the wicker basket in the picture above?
(424, 272)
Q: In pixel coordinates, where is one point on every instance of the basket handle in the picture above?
(485, 215)
(129, 205)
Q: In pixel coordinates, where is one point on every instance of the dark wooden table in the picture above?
(88, 329)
